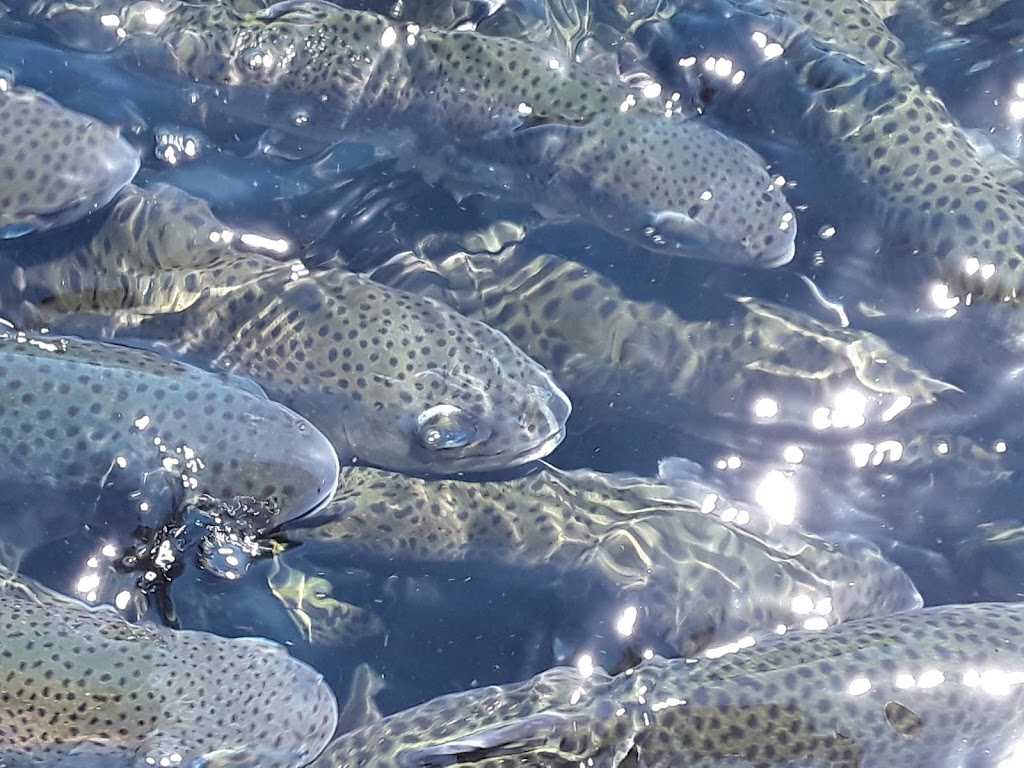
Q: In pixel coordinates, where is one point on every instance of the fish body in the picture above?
(157, 251)
(694, 578)
(86, 416)
(56, 165)
(576, 142)
(83, 688)
(394, 379)
(935, 688)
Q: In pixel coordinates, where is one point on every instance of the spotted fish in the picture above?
(574, 142)
(605, 347)
(924, 689)
(394, 379)
(920, 170)
(87, 417)
(83, 688)
(56, 165)
(692, 578)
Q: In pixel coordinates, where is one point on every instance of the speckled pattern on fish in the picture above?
(935, 688)
(578, 142)
(84, 414)
(926, 179)
(55, 165)
(694, 578)
(82, 688)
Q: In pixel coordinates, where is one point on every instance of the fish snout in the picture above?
(298, 468)
(541, 424)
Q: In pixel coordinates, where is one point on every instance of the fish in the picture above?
(84, 688)
(393, 379)
(96, 420)
(935, 687)
(690, 572)
(765, 365)
(932, 190)
(56, 165)
(157, 250)
(574, 142)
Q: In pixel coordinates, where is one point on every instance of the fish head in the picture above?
(701, 194)
(439, 393)
(724, 206)
(57, 165)
(275, 711)
(267, 451)
(151, 432)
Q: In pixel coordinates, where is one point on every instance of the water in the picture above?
(935, 487)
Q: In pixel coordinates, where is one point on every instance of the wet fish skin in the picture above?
(924, 176)
(83, 688)
(377, 369)
(56, 165)
(922, 689)
(81, 415)
(694, 578)
(572, 138)
(158, 251)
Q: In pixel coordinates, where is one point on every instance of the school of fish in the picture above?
(193, 401)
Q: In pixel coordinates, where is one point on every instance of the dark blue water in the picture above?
(935, 512)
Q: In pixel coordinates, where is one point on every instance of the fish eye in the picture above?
(445, 426)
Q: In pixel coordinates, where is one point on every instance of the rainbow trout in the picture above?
(56, 165)
(924, 176)
(687, 572)
(574, 142)
(86, 418)
(394, 379)
(935, 688)
(82, 688)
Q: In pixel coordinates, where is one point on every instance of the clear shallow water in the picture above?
(456, 627)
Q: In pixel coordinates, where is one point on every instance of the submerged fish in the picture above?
(570, 140)
(688, 577)
(82, 687)
(920, 170)
(766, 365)
(85, 417)
(56, 165)
(935, 688)
(394, 379)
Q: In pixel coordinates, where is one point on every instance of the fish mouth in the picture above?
(498, 460)
(690, 238)
(542, 449)
(778, 256)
